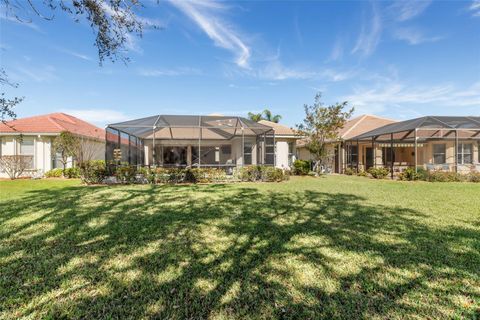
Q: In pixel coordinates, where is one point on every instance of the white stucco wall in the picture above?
(42, 157)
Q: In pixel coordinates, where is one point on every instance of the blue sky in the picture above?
(398, 59)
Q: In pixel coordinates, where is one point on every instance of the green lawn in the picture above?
(309, 248)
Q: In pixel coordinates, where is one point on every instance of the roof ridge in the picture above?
(361, 118)
(379, 117)
(55, 123)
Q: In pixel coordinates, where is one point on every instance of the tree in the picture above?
(6, 104)
(15, 165)
(273, 118)
(255, 116)
(66, 144)
(112, 21)
(265, 115)
(87, 149)
(321, 126)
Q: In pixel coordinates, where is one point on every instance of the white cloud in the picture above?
(168, 72)
(475, 8)
(207, 15)
(100, 117)
(414, 36)
(370, 33)
(396, 94)
(404, 10)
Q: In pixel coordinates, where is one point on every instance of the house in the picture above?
(33, 136)
(430, 142)
(200, 141)
(336, 149)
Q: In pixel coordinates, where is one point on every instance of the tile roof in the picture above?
(280, 129)
(358, 126)
(53, 123)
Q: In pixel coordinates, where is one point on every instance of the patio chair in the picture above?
(445, 167)
(430, 167)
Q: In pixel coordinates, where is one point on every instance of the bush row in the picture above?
(261, 173)
(95, 172)
(70, 173)
(409, 174)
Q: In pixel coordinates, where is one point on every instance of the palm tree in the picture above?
(265, 115)
(255, 116)
(269, 117)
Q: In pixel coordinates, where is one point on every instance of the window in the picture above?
(269, 149)
(352, 154)
(247, 153)
(439, 151)
(26, 147)
(465, 153)
(290, 153)
(387, 155)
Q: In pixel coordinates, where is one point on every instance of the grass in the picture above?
(310, 248)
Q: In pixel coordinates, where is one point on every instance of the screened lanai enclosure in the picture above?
(431, 142)
(190, 141)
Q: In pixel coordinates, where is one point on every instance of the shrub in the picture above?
(350, 172)
(54, 173)
(445, 176)
(249, 173)
(362, 173)
(301, 167)
(126, 173)
(72, 173)
(272, 174)
(15, 165)
(209, 175)
(93, 172)
(408, 174)
(379, 173)
(473, 177)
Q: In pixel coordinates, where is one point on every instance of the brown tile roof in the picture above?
(280, 129)
(359, 125)
(53, 123)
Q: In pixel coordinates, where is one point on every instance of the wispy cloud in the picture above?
(298, 32)
(183, 71)
(370, 33)
(75, 54)
(100, 117)
(275, 70)
(131, 41)
(337, 50)
(207, 15)
(404, 10)
(26, 23)
(414, 36)
(475, 8)
(37, 74)
(395, 94)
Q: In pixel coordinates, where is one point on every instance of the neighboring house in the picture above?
(285, 142)
(336, 149)
(33, 136)
(200, 141)
(431, 142)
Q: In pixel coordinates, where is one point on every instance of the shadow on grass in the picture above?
(224, 251)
